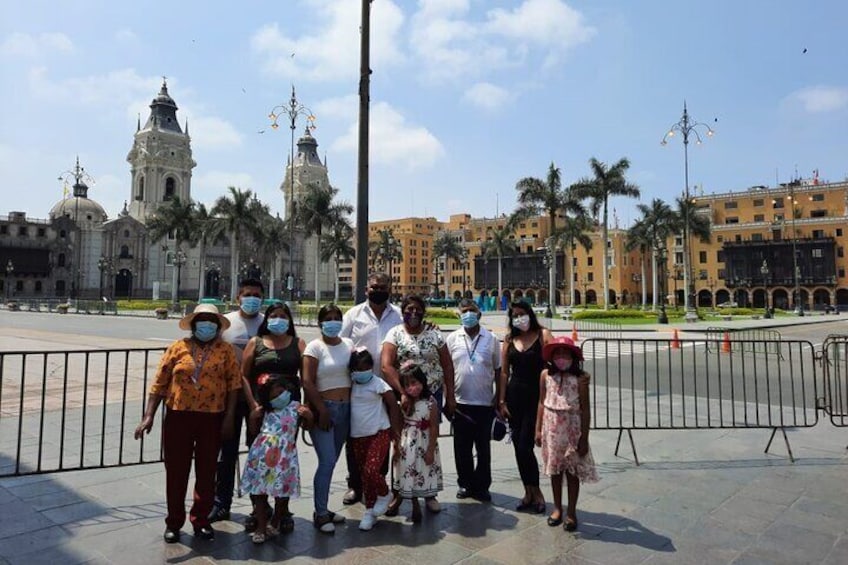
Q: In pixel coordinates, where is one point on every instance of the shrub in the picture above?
(606, 314)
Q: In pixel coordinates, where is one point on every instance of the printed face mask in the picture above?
(281, 400)
(361, 377)
(331, 328)
(521, 322)
(205, 331)
(469, 319)
(412, 319)
(250, 305)
(278, 326)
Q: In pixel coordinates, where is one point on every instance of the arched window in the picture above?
(170, 188)
(126, 233)
(139, 195)
(125, 252)
(61, 260)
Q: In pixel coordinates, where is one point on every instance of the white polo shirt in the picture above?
(475, 363)
(361, 325)
(241, 330)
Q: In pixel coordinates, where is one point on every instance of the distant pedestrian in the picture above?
(374, 423)
(476, 357)
(198, 378)
(272, 466)
(417, 464)
(562, 426)
(518, 395)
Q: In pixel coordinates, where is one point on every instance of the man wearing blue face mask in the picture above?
(475, 353)
(244, 324)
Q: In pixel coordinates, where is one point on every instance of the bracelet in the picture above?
(501, 402)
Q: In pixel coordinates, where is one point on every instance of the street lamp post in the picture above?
(796, 269)
(712, 283)
(10, 268)
(663, 316)
(81, 180)
(764, 270)
(548, 261)
(179, 261)
(687, 127)
(585, 283)
(104, 264)
(291, 110)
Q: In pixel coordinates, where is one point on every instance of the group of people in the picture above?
(377, 382)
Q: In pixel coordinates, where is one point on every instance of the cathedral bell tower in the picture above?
(160, 159)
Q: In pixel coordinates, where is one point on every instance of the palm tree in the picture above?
(698, 226)
(174, 220)
(336, 244)
(607, 181)
(270, 240)
(535, 197)
(638, 237)
(316, 211)
(446, 246)
(575, 230)
(657, 224)
(235, 215)
(204, 230)
(386, 249)
(500, 241)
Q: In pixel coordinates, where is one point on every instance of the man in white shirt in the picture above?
(244, 324)
(367, 324)
(475, 352)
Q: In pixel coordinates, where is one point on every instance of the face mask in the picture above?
(412, 320)
(331, 328)
(250, 305)
(281, 400)
(278, 326)
(521, 322)
(469, 319)
(361, 377)
(378, 297)
(561, 363)
(205, 331)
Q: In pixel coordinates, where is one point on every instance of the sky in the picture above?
(467, 96)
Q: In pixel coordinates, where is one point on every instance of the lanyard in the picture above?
(475, 342)
(198, 365)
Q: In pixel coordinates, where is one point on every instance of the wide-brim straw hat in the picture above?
(559, 342)
(185, 323)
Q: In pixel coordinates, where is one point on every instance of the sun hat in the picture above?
(559, 342)
(185, 323)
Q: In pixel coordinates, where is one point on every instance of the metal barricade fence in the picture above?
(648, 384)
(835, 368)
(755, 340)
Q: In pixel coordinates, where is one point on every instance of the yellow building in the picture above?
(414, 236)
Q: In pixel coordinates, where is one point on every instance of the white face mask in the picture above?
(521, 322)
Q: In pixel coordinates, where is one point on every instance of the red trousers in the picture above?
(370, 453)
(187, 434)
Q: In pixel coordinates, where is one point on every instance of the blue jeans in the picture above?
(328, 445)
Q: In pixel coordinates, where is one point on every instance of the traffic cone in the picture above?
(574, 332)
(675, 340)
(725, 345)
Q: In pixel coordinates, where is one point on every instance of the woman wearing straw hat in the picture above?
(198, 378)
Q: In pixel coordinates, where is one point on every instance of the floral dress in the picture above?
(413, 478)
(272, 465)
(423, 348)
(561, 430)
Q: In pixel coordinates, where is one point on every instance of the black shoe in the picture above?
(204, 532)
(482, 496)
(463, 493)
(219, 514)
(250, 524)
(351, 497)
(171, 536)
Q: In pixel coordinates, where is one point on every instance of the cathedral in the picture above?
(80, 252)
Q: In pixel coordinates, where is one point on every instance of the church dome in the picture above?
(79, 208)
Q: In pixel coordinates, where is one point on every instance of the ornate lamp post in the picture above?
(663, 316)
(585, 284)
(687, 127)
(291, 111)
(179, 261)
(548, 261)
(10, 268)
(764, 270)
(712, 283)
(104, 264)
(81, 179)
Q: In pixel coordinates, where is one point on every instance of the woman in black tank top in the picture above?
(521, 367)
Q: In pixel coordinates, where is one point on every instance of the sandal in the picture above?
(570, 524)
(271, 531)
(522, 506)
(554, 522)
(394, 507)
(337, 518)
(286, 525)
(258, 537)
(539, 507)
(433, 505)
(323, 524)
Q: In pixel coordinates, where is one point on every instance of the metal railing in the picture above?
(835, 368)
(762, 341)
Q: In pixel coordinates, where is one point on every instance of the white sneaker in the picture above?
(382, 504)
(368, 520)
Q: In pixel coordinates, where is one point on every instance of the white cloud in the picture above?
(209, 132)
(487, 96)
(450, 44)
(208, 186)
(819, 99)
(24, 44)
(126, 35)
(332, 53)
(393, 141)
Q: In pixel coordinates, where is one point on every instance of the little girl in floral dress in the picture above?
(272, 466)
(562, 426)
(417, 465)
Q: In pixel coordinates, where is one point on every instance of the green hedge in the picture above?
(601, 314)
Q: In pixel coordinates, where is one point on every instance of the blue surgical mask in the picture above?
(278, 326)
(205, 331)
(331, 328)
(361, 377)
(250, 305)
(469, 319)
(281, 400)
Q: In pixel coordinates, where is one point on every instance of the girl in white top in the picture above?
(326, 383)
(374, 422)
